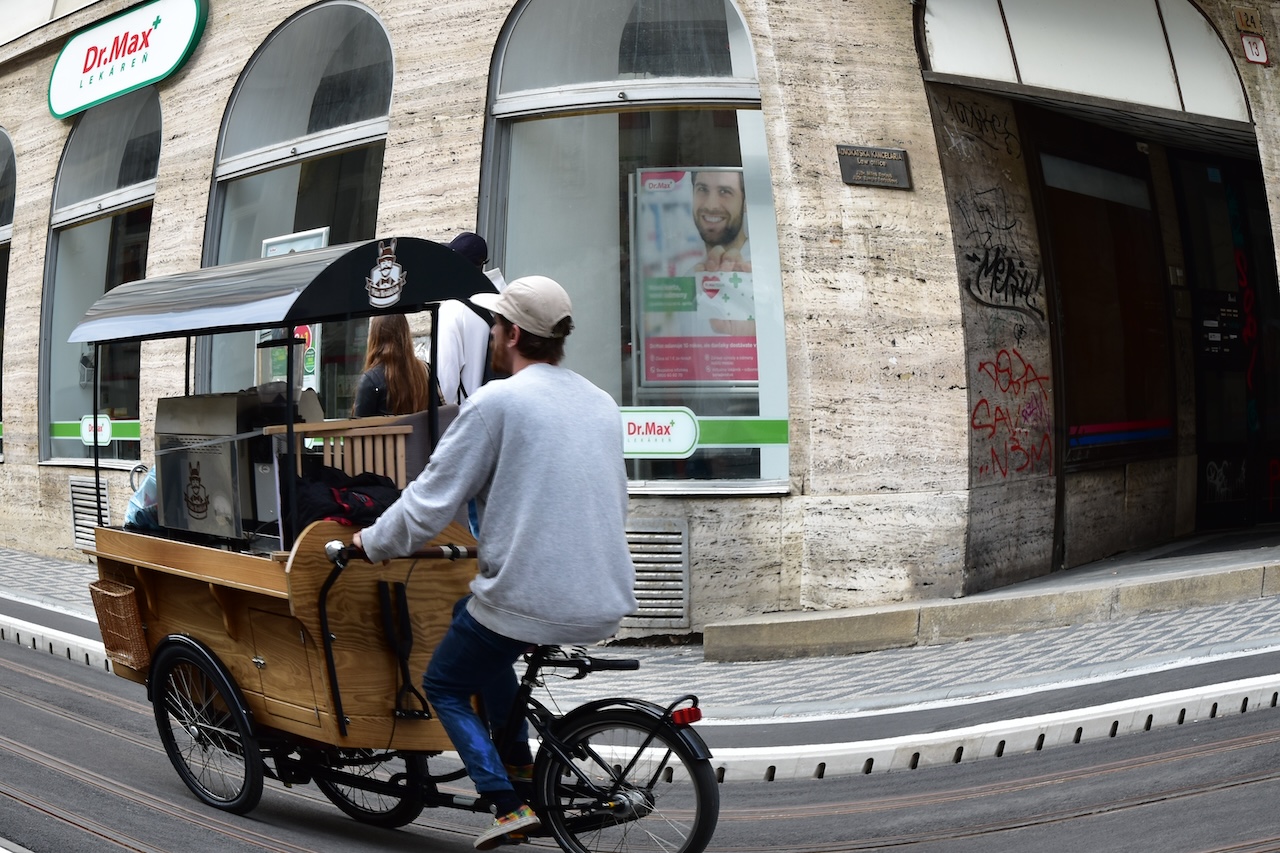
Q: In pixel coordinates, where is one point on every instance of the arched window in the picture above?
(626, 158)
(8, 180)
(1161, 53)
(101, 228)
(301, 154)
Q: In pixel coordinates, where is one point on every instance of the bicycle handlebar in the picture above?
(337, 550)
(576, 658)
(614, 663)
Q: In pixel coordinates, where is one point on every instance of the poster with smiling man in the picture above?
(696, 299)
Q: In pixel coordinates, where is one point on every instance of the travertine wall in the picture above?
(1006, 321)
(431, 171)
(878, 455)
(34, 501)
(886, 503)
(875, 349)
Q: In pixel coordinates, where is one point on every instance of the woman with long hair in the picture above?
(395, 381)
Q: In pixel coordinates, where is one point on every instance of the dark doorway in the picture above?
(1231, 273)
(1101, 238)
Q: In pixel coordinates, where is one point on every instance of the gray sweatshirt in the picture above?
(542, 454)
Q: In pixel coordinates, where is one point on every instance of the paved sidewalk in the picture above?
(992, 693)
(842, 684)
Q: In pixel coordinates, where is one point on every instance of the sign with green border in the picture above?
(136, 48)
(675, 432)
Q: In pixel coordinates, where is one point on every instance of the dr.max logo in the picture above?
(659, 182)
(123, 45)
(650, 428)
(660, 432)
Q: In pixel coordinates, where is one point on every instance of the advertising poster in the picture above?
(694, 295)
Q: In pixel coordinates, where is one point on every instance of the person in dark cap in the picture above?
(472, 247)
(462, 333)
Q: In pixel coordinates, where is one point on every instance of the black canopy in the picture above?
(386, 276)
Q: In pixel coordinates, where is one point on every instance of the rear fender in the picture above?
(697, 746)
(200, 650)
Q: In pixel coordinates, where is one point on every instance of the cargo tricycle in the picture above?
(269, 648)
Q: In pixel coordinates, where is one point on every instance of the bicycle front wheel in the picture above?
(391, 793)
(612, 792)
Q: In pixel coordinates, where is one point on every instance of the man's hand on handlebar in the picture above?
(356, 541)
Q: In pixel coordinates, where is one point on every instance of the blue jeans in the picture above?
(472, 660)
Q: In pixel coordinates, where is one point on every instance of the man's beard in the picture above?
(727, 236)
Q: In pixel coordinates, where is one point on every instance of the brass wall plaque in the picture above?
(874, 167)
(1248, 20)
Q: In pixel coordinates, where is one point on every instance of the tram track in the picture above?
(921, 803)
(230, 829)
(221, 829)
(225, 828)
(201, 818)
(908, 840)
(1003, 788)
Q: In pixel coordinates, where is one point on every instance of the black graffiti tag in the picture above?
(1003, 280)
(987, 214)
(990, 128)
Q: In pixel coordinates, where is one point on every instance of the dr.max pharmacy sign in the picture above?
(137, 48)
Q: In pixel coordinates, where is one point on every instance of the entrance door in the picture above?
(1231, 272)
(1101, 236)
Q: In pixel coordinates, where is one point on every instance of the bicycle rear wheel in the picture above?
(204, 731)
(618, 795)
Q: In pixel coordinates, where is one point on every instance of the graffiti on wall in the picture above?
(1012, 421)
(1003, 287)
(997, 276)
(972, 121)
(1225, 480)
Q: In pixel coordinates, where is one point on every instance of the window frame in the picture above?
(278, 155)
(104, 206)
(612, 97)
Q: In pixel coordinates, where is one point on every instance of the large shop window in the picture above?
(102, 223)
(301, 155)
(634, 170)
(8, 181)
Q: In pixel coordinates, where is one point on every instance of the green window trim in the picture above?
(120, 430)
(741, 432)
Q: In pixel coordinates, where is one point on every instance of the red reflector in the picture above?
(686, 716)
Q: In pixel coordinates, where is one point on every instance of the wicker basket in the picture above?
(120, 623)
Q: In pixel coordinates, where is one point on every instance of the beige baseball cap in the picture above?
(535, 303)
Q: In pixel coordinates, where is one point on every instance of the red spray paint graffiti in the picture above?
(1012, 421)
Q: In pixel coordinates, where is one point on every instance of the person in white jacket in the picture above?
(462, 332)
(541, 452)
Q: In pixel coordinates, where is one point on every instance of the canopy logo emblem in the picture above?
(386, 280)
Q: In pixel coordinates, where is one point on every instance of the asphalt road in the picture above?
(81, 769)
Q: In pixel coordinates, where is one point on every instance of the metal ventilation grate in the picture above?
(660, 550)
(84, 509)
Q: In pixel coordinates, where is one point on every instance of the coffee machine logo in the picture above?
(387, 279)
(196, 496)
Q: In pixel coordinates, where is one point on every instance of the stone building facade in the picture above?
(996, 363)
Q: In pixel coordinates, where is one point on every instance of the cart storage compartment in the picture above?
(215, 470)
